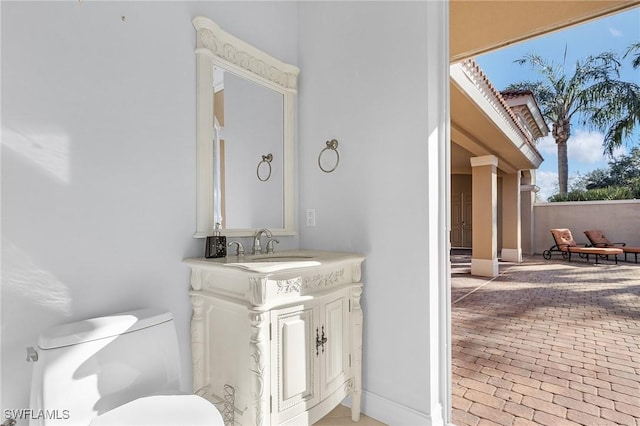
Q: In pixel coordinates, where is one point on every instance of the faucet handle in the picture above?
(239, 249)
(270, 245)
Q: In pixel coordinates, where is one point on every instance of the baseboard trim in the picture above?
(393, 413)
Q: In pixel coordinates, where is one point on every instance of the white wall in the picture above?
(365, 81)
(617, 219)
(98, 160)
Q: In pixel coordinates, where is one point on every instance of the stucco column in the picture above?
(484, 187)
(511, 224)
(528, 198)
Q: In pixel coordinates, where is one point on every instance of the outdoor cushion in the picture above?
(565, 243)
(598, 239)
(563, 238)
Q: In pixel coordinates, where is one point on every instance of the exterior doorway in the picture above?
(461, 218)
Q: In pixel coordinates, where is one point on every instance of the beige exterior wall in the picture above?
(461, 184)
(619, 220)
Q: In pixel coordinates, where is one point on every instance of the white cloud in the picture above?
(548, 184)
(547, 146)
(615, 32)
(585, 154)
(585, 147)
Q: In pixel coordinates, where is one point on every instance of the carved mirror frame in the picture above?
(215, 47)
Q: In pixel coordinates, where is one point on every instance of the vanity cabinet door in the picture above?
(334, 356)
(310, 354)
(294, 361)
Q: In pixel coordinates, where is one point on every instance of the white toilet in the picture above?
(120, 370)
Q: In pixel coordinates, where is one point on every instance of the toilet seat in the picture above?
(162, 410)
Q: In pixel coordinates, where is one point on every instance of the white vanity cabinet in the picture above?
(283, 331)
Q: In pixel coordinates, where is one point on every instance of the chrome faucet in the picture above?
(257, 248)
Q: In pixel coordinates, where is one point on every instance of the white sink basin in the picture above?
(279, 258)
(273, 262)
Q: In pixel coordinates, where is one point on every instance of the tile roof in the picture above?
(472, 69)
(509, 94)
(524, 103)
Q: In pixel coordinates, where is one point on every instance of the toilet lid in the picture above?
(162, 410)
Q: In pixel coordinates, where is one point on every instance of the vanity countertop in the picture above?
(266, 280)
(267, 263)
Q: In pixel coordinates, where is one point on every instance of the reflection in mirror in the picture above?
(248, 121)
(245, 104)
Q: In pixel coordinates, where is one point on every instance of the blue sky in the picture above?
(614, 33)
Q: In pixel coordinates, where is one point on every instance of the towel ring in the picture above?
(266, 159)
(332, 145)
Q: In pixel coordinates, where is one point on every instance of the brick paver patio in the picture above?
(547, 343)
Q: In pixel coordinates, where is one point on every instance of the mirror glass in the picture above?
(248, 190)
(245, 127)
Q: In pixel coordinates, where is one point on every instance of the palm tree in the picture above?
(618, 117)
(634, 50)
(591, 92)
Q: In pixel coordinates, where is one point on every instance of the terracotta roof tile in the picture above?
(473, 67)
(509, 94)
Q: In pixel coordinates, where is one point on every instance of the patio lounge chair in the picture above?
(598, 239)
(566, 245)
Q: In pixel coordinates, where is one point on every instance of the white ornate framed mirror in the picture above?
(245, 106)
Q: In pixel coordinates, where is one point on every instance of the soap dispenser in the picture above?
(216, 245)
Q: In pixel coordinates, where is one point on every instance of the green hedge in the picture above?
(609, 193)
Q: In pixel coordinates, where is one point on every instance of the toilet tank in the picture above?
(88, 367)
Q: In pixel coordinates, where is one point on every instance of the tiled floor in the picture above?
(341, 415)
(547, 343)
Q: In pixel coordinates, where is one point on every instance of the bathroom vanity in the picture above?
(278, 334)
(276, 338)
